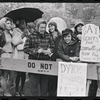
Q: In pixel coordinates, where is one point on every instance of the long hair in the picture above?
(3, 22)
(56, 29)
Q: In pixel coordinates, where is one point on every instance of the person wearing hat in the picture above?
(56, 36)
(39, 46)
(78, 30)
(68, 47)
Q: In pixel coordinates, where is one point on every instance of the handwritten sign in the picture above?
(90, 44)
(71, 79)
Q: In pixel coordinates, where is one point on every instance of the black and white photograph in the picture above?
(49, 49)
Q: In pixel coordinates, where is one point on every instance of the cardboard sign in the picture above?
(90, 43)
(72, 79)
(32, 66)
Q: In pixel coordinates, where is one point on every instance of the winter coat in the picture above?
(34, 42)
(75, 30)
(18, 49)
(56, 42)
(68, 50)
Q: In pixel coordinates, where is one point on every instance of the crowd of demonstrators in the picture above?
(31, 41)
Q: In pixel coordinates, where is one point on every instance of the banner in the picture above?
(90, 43)
(72, 79)
(32, 66)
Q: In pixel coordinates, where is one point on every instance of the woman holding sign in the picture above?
(68, 47)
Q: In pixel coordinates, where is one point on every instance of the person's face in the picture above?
(8, 24)
(79, 28)
(51, 28)
(42, 28)
(67, 38)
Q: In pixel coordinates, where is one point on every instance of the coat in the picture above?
(56, 42)
(68, 50)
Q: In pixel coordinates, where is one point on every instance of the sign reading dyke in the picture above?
(32, 66)
(90, 43)
(72, 79)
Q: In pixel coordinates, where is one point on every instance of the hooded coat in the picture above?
(75, 30)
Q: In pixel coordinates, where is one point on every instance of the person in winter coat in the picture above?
(39, 46)
(6, 83)
(78, 36)
(68, 47)
(18, 32)
(56, 36)
(78, 30)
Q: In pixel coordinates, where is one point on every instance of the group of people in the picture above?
(19, 41)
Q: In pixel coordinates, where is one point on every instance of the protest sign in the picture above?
(90, 43)
(72, 79)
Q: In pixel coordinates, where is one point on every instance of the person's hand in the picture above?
(47, 52)
(74, 58)
(40, 50)
(79, 36)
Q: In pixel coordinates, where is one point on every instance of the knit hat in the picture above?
(54, 24)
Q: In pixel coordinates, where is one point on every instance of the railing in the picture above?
(41, 67)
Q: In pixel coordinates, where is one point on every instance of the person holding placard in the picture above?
(68, 47)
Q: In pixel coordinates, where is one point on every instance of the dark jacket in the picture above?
(68, 50)
(56, 42)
